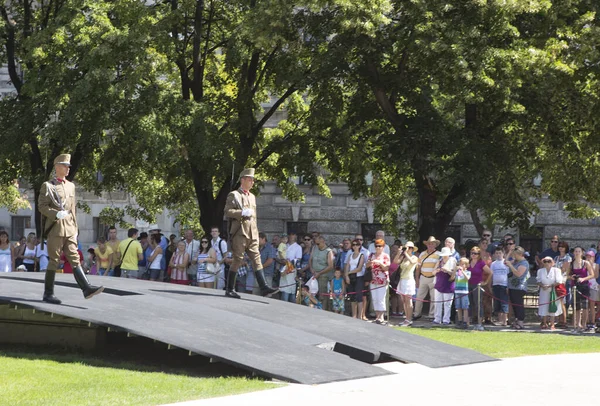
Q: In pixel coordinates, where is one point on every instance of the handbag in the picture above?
(552, 307)
(117, 269)
(211, 268)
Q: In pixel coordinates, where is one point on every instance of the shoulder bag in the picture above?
(117, 269)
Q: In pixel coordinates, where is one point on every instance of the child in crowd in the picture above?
(461, 293)
(337, 287)
(282, 249)
(309, 299)
(500, 285)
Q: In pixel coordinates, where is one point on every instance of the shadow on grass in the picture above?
(133, 354)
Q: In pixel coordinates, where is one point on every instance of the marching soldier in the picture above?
(57, 205)
(241, 209)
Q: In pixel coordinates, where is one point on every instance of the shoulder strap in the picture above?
(221, 247)
(125, 253)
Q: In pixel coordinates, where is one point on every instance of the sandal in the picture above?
(544, 326)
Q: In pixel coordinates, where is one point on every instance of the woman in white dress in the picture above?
(5, 253)
(548, 278)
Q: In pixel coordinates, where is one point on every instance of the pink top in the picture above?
(476, 272)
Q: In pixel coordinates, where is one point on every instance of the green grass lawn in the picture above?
(506, 344)
(31, 379)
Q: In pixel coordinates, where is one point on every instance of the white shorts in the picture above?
(595, 295)
(407, 287)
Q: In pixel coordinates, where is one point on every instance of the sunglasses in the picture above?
(204, 242)
(308, 239)
(474, 253)
(356, 245)
(379, 246)
(547, 261)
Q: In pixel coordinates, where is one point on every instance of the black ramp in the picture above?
(268, 336)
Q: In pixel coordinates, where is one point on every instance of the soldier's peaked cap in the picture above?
(247, 172)
(64, 159)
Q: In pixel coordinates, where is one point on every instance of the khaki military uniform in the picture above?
(61, 234)
(243, 230)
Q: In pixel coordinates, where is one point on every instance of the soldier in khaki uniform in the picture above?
(241, 210)
(57, 204)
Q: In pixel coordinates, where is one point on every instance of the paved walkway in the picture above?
(540, 380)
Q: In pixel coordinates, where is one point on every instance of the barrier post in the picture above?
(574, 295)
(388, 300)
(479, 326)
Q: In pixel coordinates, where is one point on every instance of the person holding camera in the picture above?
(517, 284)
(407, 286)
(580, 273)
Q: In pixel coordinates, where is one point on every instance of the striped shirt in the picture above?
(428, 262)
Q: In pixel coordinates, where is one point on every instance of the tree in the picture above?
(167, 101)
(443, 105)
(75, 68)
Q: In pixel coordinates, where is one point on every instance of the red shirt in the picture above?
(67, 267)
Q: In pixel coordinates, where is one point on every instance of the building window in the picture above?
(18, 225)
(298, 227)
(533, 243)
(368, 232)
(100, 229)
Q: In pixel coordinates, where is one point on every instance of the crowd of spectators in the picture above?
(480, 282)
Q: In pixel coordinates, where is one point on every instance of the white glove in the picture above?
(247, 212)
(62, 214)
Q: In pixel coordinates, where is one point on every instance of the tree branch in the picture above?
(10, 51)
(264, 69)
(276, 144)
(274, 108)
(197, 85)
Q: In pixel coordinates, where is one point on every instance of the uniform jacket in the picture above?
(236, 201)
(52, 194)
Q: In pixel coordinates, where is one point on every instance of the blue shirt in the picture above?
(267, 252)
(164, 243)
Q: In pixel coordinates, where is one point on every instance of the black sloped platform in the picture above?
(267, 336)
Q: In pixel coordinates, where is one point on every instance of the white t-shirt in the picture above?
(220, 245)
(287, 282)
(42, 255)
(500, 273)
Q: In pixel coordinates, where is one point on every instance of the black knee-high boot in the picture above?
(230, 289)
(49, 288)
(262, 283)
(87, 289)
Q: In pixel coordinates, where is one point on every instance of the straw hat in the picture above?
(432, 239)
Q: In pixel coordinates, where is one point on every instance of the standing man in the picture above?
(450, 243)
(58, 207)
(241, 210)
(340, 260)
(220, 246)
(379, 235)
(131, 253)
(551, 251)
(192, 247)
(267, 258)
(321, 267)
(424, 277)
(113, 243)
